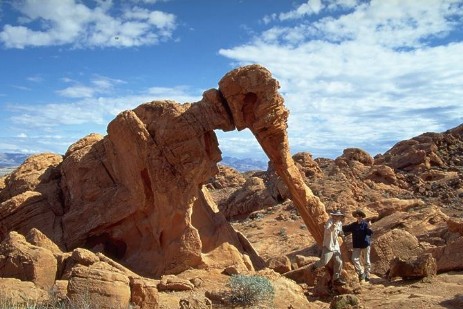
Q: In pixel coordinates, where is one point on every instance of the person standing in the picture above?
(331, 248)
(361, 241)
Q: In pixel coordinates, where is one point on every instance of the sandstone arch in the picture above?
(137, 192)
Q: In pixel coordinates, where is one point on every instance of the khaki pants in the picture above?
(357, 255)
(326, 257)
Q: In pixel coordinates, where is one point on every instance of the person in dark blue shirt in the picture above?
(361, 240)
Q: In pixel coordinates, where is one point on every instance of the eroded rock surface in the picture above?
(137, 193)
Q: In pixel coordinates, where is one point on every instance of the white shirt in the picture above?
(331, 233)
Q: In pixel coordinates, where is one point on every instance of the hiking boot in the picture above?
(339, 281)
(367, 279)
(362, 277)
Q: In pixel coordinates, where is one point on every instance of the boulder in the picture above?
(382, 174)
(280, 264)
(144, 293)
(38, 173)
(21, 260)
(195, 302)
(99, 284)
(395, 243)
(39, 239)
(386, 207)
(354, 154)
(15, 292)
(252, 196)
(174, 283)
(28, 210)
(414, 267)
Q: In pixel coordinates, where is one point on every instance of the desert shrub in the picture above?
(79, 303)
(250, 290)
(283, 234)
(345, 301)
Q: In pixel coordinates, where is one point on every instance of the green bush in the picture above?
(250, 290)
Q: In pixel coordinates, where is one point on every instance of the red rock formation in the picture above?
(140, 188)
(21, 260)
(255, 103)
(136, 194)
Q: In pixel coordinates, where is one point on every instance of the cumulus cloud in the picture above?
(98, 85)
(83, 107)
(89, 108)
(363, 73)
(68, 22)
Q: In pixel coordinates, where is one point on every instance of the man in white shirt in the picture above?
(331, 248)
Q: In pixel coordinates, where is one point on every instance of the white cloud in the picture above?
(308, 8)
(77, 92)
(103, 82)
(305, 9)
(55, 126)
(98, 85)
(342, 4)
(35, 79)
(67, 22)
(368, 76)
(88, 110)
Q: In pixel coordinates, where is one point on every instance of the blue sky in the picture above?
(363, 74)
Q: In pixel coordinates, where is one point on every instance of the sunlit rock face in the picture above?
(137, 193)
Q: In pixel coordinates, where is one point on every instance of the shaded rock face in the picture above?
(137, 193)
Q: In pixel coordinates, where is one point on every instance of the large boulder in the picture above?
(396, 243)
(99, 284)
(413, 267)
(252, 196)
(15, 292)
(21, 260)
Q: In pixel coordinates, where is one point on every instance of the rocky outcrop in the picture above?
(255, 103)
(144, 197)
(425, 151)
(250, 197)
(31, 198)
(137, 193)
(30, 273)
(448, 256)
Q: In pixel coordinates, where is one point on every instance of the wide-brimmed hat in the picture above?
(337, 212)
(359, 212)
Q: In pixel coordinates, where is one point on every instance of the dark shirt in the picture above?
(361, 233)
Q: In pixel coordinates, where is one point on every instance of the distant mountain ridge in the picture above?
(244, 164)
(240, 164)
(12, 159)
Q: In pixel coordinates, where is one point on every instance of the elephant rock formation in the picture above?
(137, 193)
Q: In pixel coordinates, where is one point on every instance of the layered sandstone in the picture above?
(137, 194)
